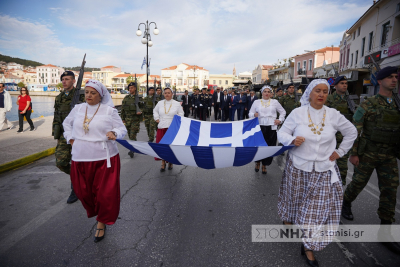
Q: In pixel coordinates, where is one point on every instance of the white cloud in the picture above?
(213, 34)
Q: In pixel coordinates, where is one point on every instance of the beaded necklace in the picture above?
(265, 105)
(314, 127)
(86, 121)
(165, 110)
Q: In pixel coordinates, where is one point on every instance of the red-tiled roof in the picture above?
(109, 67)
(267, 67)
(48, 65)
(171, 68)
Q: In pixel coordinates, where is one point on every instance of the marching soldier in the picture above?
(209, 103)
(338, 101)
(202, 104)
(377, 146)
(278, 94)
(159, 95)
(149, 122)
(129, 114)
(62, 107)
(288, 102)
(194, 99)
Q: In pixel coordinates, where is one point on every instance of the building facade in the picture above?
(375, 34)
(49, 74)
(260, 73)
(184, 76)
(106, 74)
(280, 74)
(222, 80)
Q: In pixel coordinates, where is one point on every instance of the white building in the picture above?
(376, 33)
(184, 76)
(49, 74)
(106, 74)
(13, 65)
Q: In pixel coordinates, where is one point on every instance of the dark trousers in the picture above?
(217, 112)
(240, 111)
(27, 115)
(270, 138)
(246, 114)
(203, 113)
(192, 110)
(232, 111)
(186, 110)
(225, 114)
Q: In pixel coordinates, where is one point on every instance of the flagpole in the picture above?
(147, 63)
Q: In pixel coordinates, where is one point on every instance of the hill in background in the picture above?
(21, 61)
(78, 68)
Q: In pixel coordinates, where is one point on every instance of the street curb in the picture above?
(26, 160)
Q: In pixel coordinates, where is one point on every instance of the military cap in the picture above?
(203, 88)
(385, 72)
(151, 88)
(339, 78)
(132, 84)
(279, 89)
(290, 84)
(68, 73)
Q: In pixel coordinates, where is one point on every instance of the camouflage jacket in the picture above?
(129, 106)
(289, 103)
(377, 111)
(148, 104)
(339, 103)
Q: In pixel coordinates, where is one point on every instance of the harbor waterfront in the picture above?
(43, 104)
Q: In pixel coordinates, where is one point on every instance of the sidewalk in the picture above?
(15, 146)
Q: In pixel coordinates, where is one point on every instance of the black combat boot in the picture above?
(346, 211)
(131, 154)
(386, 238)
(72, 197)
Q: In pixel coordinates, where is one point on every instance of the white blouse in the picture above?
(316, 149)
(267, 115)
(94, 145)
(165, 112)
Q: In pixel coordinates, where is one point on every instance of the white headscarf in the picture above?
(265, 87)
(305, 99)
(99, 87)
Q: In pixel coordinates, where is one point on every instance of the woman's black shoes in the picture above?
(257, 168)
(264, 169)
(131, 154)
(99, 238)
(170, 166)
(162, 167)
(313, 263)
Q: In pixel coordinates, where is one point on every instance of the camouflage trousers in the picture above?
(388, 181)
(63, 155)
(132, 124)
(342, 162)
(151, 125)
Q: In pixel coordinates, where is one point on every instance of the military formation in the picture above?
(377, 120)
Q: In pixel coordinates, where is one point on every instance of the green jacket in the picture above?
(378, 126)
(288, 102)
(129, 106)
(339, 103)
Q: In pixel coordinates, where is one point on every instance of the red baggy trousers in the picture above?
(97, 187)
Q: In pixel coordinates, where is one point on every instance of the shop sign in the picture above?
(394, 50)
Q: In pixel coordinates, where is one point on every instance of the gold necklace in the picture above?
(267, 104)
(86, 121)
(165, 110)
(314, 128)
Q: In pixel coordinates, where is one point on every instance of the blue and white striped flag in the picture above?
(209, 145)
(144, 62)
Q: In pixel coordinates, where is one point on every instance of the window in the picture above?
(220, 82)
(341, 59)
(179, 82)
(226, 82)
(356, 57)
(348, 56)
(362, 46)
(354, 35)
(358, 31)
(371, 35)
(385, 31)
(214, 82)
(398, 7)
(351, 61)
(304, 64)
(298, 66)
(310, 64)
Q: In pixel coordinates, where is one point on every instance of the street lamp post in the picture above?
(194, 76)
(147, 41)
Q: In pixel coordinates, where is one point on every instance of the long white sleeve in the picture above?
(281, 110)
(285, 133)
(68, 124)
(349, 132)
(117, 124)
(165, 112)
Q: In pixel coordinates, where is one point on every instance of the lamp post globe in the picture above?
(156, 31)
(138, 32)
(144, 41)
(150, 43)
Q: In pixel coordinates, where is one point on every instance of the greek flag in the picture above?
(144, 62)
(209, 145)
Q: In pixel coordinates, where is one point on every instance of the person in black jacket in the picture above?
(186, 103)
(216, 102)
(246, 110)
(251, 99)
(224, 107)
(242, 104)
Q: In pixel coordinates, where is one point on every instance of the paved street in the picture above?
(183, 217)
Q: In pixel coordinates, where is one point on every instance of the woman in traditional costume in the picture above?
(265, 109)
(91, 128)
(311, 194)
(164, 113)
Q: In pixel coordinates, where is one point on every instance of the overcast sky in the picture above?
(212, 34)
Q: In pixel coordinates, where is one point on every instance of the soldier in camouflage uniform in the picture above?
(62, 107)
(377, 146)
(338, 101)
(278, 94)
(149, 122)
(130, 116)
(288, 102)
